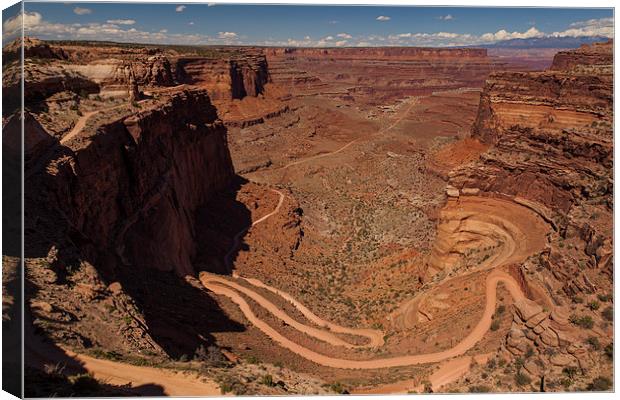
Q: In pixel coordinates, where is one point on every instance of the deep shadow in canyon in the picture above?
(178, 315)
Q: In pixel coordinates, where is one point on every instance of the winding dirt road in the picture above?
(79, 125)
(493, 279)
(414, 101)
(237, 238)
(375, 336)
(208, 280)
(171, 383)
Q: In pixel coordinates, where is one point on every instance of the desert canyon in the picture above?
(247, 220)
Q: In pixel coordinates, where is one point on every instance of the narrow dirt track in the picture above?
(237, 238)
(414, 102)
(375, 336)
(172, 383)
(132, 379)
(326, 336)
(493, 279)
(79, 125)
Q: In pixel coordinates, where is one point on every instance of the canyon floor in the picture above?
(273, 221)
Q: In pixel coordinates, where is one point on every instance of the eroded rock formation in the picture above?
(131, 187)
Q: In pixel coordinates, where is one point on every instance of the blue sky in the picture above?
(305, 25)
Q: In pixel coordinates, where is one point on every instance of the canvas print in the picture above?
(218, 199)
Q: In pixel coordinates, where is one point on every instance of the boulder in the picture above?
(531, 335)
(470, 191)
(560, 316)
(526, 309)
(550, 338)
(452, 191)
(536, 319)
(532, 367)
(115, 288)
(561, 360)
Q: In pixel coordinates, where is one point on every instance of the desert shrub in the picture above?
(522, 379)
(529, 352)
(570, 372)
(252, 360)
(495, 325)
(600, 384)
(594, 342)
(609, 351)
(210, 355)
(604, 297)
(608, 313)
(231, 384)
(491, 364)
(577, 299)
(566, 383)
(338, 387)
(584, 321)
(500, 309)
(518, 363)
(108, 355)
(267, 380)
(594, 305)
(479, 389)
(85, 384)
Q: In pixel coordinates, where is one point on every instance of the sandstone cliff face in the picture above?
(132, 189)
(33, 48)
(248, 76)
(551, 140)
(552, 136)
(225, 79)
(586, 55)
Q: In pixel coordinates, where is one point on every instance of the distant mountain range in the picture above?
(564, 42)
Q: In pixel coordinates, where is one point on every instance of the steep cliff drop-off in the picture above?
(551, 134)
(111, 230)
(160, 165)
(550, 141)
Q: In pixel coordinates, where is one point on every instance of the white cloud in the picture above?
(122, 31)
(121, 21)
(180, 8)
(592, 27)
(448, 17)
(190, 23)
(211, 4)
(505, 35)
(333, 22)
(13, 25)
(82, 11)
(383, 18)
(35, 25)
(227, 35)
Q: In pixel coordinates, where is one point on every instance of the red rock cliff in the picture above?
(130, 190)
(586, 55)
(552, 134)
(225, 78)
(381, 52)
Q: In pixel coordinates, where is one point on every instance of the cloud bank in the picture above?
(122, 30)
